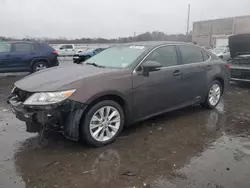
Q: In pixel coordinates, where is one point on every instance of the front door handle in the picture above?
(177, 73)
(209, 67)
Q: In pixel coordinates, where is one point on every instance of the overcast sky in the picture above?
(108, 18)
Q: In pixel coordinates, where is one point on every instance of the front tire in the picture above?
(102, 123)
(213, 95)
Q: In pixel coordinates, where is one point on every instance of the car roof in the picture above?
(154, 43)
(21, 41)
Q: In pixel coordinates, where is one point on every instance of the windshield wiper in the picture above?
(94, 64)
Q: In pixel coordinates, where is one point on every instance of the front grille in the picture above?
(22, 95)
(240, 74)
(235, 73)
(246, 74)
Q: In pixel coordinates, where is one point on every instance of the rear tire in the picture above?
(213, 96)
(40, 65)
(102, 123)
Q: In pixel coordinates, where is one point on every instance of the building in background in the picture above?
(216, 32)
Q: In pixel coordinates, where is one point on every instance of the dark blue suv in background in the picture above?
(26, 56)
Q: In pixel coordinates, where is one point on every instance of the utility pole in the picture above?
(188, 19)
(233, 27)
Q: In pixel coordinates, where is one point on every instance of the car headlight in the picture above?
(12, 91)
(46, 98)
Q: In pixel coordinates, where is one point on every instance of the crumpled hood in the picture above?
(54, 79)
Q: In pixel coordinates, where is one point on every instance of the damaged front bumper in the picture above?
(64, 117)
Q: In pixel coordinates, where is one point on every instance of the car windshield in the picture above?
(218, 50)
(118, 56)
(88, 50)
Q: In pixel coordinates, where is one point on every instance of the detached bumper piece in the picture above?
(64, 117)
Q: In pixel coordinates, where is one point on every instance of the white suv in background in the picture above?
(66, 50)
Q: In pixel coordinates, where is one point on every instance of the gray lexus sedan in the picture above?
(120, 86)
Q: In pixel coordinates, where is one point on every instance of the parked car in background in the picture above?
(240, 52)
(222, 52)
(66, 50)
(83, 49)
(120, 86)
(84, 55)
(207, 48)
(26, 56)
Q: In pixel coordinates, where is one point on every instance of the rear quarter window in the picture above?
(47, 47)
(205, 56)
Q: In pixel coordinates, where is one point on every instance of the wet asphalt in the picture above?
(191, 147)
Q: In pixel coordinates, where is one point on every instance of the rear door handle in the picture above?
(177, 73)
(209, 67)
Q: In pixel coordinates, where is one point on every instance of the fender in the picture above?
(218, 77)
(39, 58)
(128, 102)
(72, 122)
(105, 93)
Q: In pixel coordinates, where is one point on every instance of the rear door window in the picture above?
(5, 47)
(69, 47)
(23, 47)
(190, 54)
(166, 56)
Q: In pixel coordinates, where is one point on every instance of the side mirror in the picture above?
(61, 48)
(150, 66)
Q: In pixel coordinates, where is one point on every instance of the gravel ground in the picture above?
(191, 147)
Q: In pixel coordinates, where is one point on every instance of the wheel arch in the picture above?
(113, 96)
(44, 59)
(221, 80)
(108, 95)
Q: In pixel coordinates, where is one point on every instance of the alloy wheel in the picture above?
(105, 123)
(214, 94)
(40, 66)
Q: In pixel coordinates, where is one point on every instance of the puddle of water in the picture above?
(9, 137)
(217, 167)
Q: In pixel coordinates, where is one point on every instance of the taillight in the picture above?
(227, 65)
(55, 52)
